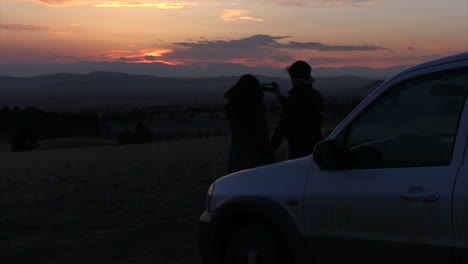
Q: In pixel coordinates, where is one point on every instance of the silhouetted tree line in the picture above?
(336, 108)
(169, 112)
(25, 127)
(140, 134)
(131, 116)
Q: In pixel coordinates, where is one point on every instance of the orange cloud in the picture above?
(23, 27)
(139, 56)
(32, 28)
(156, 53)
(237, 14)
(120, 51)
(104, 3)
(143, 4)
(57, 3)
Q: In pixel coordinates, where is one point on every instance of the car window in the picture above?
(413, 124)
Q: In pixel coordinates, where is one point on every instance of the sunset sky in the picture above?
(326, 33)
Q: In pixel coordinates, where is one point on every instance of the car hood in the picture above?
(279, 181)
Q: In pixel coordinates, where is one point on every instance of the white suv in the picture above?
(389, 185)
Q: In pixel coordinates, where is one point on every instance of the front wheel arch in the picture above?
(241, 212)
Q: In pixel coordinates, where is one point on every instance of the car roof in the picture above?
(444, 60)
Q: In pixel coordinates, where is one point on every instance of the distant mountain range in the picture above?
(114, 89)
(180, 71)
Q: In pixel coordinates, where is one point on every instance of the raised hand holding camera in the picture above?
(272, 87)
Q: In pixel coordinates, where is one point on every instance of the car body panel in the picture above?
(279, 182)
(460, 203)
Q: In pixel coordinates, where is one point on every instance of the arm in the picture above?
(263, 137)
(279, 135)
(281, 129)
(277, 92)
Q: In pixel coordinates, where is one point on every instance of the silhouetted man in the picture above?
(302, 117)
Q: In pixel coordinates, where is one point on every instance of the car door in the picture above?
(460, 209)
(391, 200)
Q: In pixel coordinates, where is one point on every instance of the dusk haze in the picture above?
(254, 33)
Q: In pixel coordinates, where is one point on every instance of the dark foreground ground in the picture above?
(111, 204)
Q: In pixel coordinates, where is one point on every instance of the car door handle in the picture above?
(423, 196)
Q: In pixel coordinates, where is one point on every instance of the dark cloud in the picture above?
(324, 60)
(281, 58)
(257, 47)
(202, 54)
(19, 27)
(252, 60)
(152, 58)
(397, 59)
(130, 59)
(252, 42)
(259, 41)
(323, 47)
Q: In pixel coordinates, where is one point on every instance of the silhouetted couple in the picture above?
(300, 123)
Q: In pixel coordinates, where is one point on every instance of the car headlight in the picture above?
(208, 196)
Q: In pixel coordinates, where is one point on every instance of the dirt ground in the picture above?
(112, 204)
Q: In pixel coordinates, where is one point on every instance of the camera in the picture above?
(268, 86)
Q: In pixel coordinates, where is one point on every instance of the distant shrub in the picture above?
(125, 137)
(141, 134)
(23, 139)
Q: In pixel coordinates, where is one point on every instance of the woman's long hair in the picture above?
(246, 94)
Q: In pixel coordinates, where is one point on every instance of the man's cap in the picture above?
(299, 69)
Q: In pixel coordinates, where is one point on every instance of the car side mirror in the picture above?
(326, 155)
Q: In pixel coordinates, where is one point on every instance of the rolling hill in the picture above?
(114, 89)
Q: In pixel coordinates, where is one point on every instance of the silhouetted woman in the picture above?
(250, 146)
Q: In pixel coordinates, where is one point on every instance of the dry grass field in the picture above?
(107, 204)
(111, 204)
